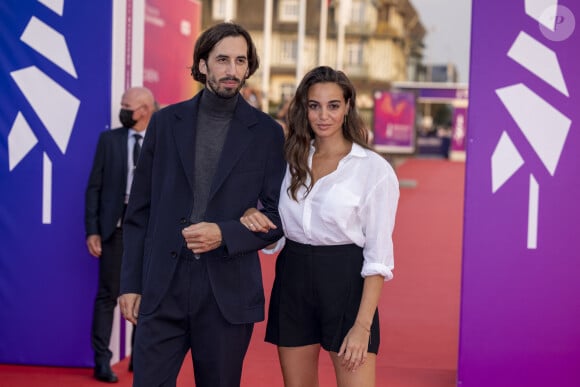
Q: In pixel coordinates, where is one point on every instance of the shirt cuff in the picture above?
(377, 269)
(276, 248)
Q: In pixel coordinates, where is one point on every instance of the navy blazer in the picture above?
(251, 168)
(105, 193)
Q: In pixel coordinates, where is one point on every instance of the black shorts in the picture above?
(316, 296)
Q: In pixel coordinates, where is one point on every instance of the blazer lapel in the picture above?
(184, 135)
(122, 150)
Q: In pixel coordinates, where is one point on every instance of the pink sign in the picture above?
(171, 29)
(394, 122)
(459, 129)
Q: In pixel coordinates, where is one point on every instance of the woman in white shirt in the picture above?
(337, 203)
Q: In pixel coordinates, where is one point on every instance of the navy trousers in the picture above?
(189, 318)
(106, 299)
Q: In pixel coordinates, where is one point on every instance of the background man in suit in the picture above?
(191, 276)
(105, 201)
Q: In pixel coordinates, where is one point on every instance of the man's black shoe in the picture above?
(131, 364)
(105, 374)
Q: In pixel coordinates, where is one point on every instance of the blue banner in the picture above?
(55, 72)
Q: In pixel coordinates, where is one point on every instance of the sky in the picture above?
(448, 26)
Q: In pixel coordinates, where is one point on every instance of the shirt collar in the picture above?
(141, 133)
(355, 151)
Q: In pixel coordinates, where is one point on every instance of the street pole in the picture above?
(266, 55)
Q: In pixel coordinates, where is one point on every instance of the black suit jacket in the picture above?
(251, 168)
(105, 193)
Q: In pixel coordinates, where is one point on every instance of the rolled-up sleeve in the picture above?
(378, 219)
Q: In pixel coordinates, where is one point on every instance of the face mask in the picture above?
(126, 118)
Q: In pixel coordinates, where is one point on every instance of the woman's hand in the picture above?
(354, 348)
(255, 221)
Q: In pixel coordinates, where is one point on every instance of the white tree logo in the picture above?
(544, 126)
(56, 107)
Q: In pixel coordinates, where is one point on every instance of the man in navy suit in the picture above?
(106, 196)
(191, 277)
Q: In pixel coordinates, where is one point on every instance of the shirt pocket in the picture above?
(340, 207)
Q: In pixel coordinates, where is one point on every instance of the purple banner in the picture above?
(394, 122)
(443, 93)
(520, 312)
(55, 102)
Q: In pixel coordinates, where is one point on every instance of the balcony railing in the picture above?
(356, 70)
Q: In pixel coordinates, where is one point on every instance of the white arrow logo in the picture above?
(55, 106)
(544, 126)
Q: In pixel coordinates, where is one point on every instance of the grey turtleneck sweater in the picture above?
(213, 121)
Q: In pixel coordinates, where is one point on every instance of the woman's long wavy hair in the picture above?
(300, 133)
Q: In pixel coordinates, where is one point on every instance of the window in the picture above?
(223, 9)
(357, 12)
(287, 90)
(354, 54)
(288, 10)
(289, 51)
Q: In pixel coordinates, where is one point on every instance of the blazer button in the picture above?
(173, 254)
(183, 221)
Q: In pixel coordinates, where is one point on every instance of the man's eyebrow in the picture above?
(227, 56)
(331, 101)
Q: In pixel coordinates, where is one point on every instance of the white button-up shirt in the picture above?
(356, 204)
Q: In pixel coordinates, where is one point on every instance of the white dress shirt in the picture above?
(356, 203)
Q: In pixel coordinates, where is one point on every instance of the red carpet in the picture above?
(419, 308)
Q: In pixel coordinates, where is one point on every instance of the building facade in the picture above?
(445, 72)
(382, 41)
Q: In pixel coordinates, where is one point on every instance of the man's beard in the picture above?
(224, 92)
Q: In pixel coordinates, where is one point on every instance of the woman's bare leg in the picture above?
(363, 376)
(300, 365)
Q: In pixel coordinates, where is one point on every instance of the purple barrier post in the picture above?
(520, 309)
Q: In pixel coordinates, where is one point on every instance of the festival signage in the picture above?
(55, 101)
(520, 309)
(171, 29)
(459, 132)
(442, 93)
(394, 122)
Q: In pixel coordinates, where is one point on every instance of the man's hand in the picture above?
(202, 237)
(129, 304)
(94, 245)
